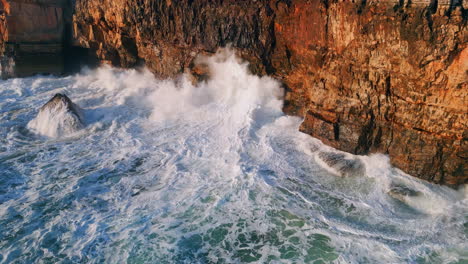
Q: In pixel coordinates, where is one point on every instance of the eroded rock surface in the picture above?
(388, 78)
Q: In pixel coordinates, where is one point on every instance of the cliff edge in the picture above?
(367, 76)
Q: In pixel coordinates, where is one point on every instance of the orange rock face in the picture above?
(385, 78)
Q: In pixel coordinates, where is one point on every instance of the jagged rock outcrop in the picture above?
(58, 117)
(367, 76)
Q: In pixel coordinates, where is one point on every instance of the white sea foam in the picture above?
(56, 120)
(168, 171)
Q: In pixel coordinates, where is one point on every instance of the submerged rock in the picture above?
(58, 117)
(342, 163)
(400, 192)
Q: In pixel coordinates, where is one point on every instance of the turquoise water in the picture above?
(169, 172)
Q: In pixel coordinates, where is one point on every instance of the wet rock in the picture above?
(401, 192)
(60, 103)
(343, 164)
(58, 117)
(199, 72)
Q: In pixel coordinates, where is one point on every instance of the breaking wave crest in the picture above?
(171, 172)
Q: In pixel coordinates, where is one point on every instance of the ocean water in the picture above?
(168, 172)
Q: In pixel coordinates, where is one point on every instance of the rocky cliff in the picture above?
(367, 76)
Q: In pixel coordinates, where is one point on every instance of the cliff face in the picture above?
(167, 35)
(367, 76)
(383, 77)
(32, 33)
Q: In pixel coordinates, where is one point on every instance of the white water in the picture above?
(57, 120)
(168, 172)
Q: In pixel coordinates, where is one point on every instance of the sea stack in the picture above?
(58, 117)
